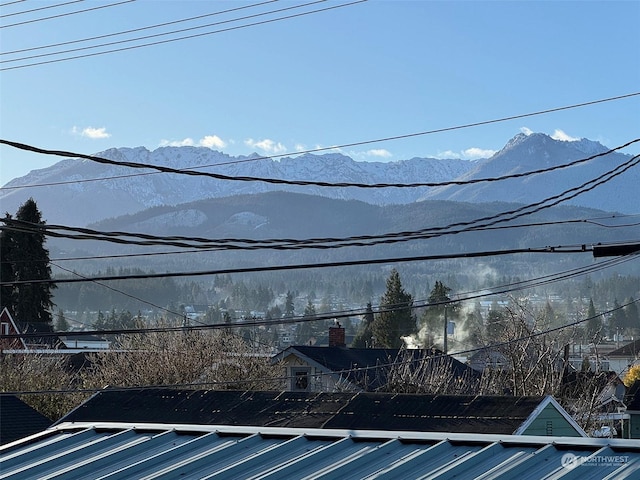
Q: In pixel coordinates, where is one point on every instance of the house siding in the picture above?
(632, 427)
(551, 423)
(318, 381)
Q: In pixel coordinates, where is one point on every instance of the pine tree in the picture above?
(288, 305)
(62, 325)
(6, 267)
(365, 332)
(632, 316)
(594, 324)
(433, 316)
(308, 328)
(396, 318)
(32, 302)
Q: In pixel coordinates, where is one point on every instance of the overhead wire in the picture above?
(124, 32)
(46, 7)
(305, 266)
(395, 362)
(6, 4)
(31, 148)
(63, 14)
(187, 37)
(499, 227)
(461, 297)
(118, 42)
(280, 181)
(254, 380)
(325, 243)
(117, 290)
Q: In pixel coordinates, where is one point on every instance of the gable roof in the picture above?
(368, 366)
(362, 411)
(19, 420)
(47, 340)
(118, 450)
(630, 350)
(10, 343)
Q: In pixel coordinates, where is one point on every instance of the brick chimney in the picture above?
(336, 336)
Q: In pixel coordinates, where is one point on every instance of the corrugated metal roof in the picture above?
(150, 451)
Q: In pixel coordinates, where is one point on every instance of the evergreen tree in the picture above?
(365, 332)
(495, 323)
(594, 324)
(32, 302)
(307, 329)
(6, 267)
(396, 318)
(618, 320)
(288, 306)
(632, 316)
(61, 322)
(433, 316)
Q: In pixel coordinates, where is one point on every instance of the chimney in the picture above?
(336, 336)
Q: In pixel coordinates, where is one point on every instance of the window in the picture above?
(4, 328)
(300, 379)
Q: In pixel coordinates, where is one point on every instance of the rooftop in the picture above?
(128, 450)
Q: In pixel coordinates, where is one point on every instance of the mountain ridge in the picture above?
(107, 191)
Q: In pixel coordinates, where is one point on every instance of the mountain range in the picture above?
(112, 198)
(80, 192)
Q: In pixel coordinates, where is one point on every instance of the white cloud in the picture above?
(267, 145)
(91, 132)
(212, 141)
(562, 136)
(379, 152)
(526, 131)
(448, 154)
(209, 141)
(473, 153)
(187, 142)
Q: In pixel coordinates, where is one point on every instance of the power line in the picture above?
(368, 239)
(306, 266)
(118, 42)
(463, 297)
(62, 14)
(124, 32)
(10, 3)
(187, 37)
(40, 8)
(31, 148)
(416, 304)
(206, 244)
(277, 181)
(501, 227)
(113, 289)
(396, 362)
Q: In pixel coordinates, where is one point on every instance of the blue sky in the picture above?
(362, 72)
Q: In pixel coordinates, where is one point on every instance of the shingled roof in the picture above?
(363, 411)
(19, 420)
(630, 350)
(355, 364)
